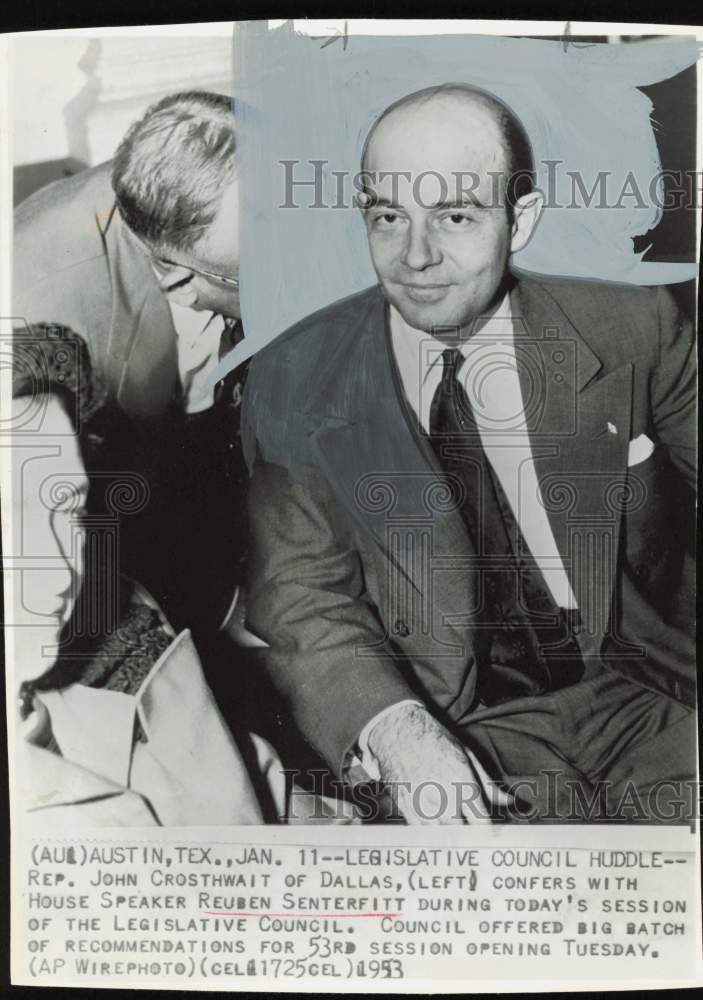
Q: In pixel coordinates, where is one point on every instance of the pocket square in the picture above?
(639, 450)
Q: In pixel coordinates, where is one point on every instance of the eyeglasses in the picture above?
(232, 282)
(165, 262)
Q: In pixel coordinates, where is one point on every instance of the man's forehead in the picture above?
(443, 136)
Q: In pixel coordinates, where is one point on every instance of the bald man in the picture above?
(470, 499)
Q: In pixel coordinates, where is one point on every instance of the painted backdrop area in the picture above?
(302, 99)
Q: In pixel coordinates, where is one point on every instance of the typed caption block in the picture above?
(340, 909)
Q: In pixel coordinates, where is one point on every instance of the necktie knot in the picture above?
(232, 333)
(451, 358)
(450, 410)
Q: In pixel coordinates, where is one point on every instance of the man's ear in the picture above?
(526, 213)
(178, 286)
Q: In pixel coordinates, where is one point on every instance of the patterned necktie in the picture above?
(232, 334)
(517, 621)
(229, 392)
(229, 389)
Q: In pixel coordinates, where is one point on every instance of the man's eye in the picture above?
(386, 219)
(457, 219)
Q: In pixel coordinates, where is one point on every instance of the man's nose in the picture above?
(62, 546)
(420, 252)
(48, 591)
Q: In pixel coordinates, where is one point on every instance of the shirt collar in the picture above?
(190, 324)
(499, 326)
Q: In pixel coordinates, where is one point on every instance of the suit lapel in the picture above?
(579, 425)
(142, 356)
(380, 470)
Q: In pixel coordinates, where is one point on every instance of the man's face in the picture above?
(440, 255)
(217, 252)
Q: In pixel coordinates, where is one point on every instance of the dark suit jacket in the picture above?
(362, 577)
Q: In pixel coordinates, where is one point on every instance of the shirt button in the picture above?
(400, 628)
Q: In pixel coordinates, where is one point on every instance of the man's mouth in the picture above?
(425, 293)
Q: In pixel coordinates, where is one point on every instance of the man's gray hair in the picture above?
(172, 167)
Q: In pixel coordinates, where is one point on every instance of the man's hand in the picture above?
(431, 776)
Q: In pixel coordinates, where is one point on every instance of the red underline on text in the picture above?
(307, 916)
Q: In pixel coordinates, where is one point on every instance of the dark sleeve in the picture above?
(673, 388)
(307, 601)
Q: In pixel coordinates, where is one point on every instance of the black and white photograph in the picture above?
(349, 467)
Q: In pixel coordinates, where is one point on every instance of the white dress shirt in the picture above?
(198, 335)
(489, 375)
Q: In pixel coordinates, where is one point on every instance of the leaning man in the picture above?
(140, 257)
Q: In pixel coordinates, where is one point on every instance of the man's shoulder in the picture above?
(285, 373)
(591, 298)
(89, 187)
(298, 352)
(317, 333)
(60, 225)
(619, 322)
